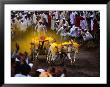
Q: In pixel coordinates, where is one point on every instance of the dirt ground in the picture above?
(87, 64)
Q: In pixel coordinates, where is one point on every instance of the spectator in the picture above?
(24, 71)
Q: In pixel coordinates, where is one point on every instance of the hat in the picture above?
(57, 21)
(40, 70)
(64, 18)
(31, 65)
(79, 29)
(76, 27)
(40, 20)
(64, 25)
(17, 59)
(85, 30)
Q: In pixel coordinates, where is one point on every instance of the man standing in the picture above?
(62, 31)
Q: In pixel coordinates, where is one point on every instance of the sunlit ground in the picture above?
(24, 38)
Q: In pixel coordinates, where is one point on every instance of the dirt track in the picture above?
(87, 64)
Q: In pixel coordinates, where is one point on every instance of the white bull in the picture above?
(53, 49)
(70, 50)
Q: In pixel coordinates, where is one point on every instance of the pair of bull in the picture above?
(54, 52)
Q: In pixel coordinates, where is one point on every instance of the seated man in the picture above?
(24, 71)
(87, 36)
(48, 73)
(62, 31)
(74, 32)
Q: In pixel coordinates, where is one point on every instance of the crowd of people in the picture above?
(19, 69)
(27, 70)
(74, 24)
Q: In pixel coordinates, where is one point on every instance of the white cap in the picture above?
(65, 25)
(64, 18)
(31, 65)
(57, 21)
(40, 20)
(76, 27)
(40, 70)
(17, 59)
(79, 29)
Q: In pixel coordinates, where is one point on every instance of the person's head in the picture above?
(40, 23)
(25, 69)
(70, 12)
(78, 13)
(64, 26)
(18, 18)
(37, 73)
(25, 54)
(64, 20)
(71, 40)
(85, 30)
(91, 12)
(22, 58)
(95, 21)
(73, 25)
(81, 13)
(58, 71)
(70, 45)
(13, 21)
(76, 29)
(22, 21)
(26, 17)
(51, 70)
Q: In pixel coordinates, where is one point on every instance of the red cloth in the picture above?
(21, 56)
(42, 37)
(49, 20)
(95, 27)
(77, 21)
